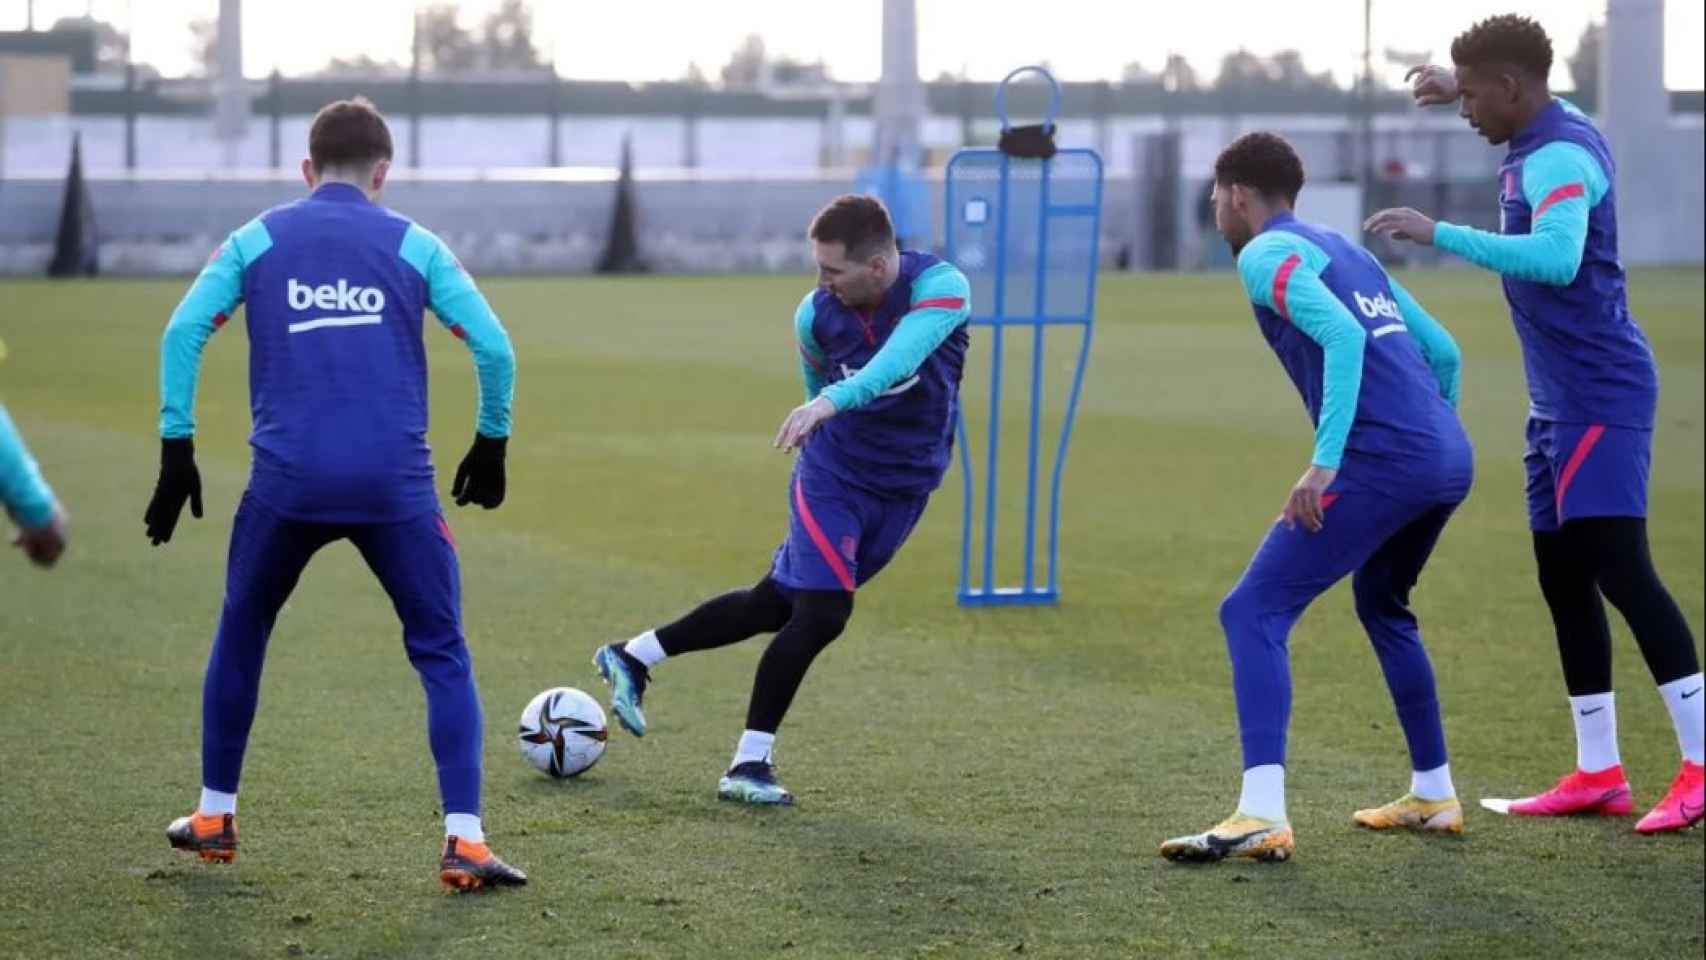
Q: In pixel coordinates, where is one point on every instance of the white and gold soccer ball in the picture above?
(562, 732)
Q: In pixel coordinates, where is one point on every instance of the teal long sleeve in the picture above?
(1437, 346)
(814, 369)
(463, 310)
(26, 496)
(1561, 182)
(941, 302)
(1286, 261)
(217, 291)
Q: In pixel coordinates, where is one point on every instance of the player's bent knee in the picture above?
(767, 607)
(1239, 610)
(823, 613)
(1375, 599)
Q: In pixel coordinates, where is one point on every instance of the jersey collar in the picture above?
(1529, 136)
(340, 193)
(1279, 219)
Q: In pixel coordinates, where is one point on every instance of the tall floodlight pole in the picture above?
(900, 94)
(231, 100)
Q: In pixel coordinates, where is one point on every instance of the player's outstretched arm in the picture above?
(1437, 346)
(217, 291)
(1561, 183)
(941, 302)
(463, 310)
(29, 501)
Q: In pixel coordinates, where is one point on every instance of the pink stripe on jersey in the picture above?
(1569, 191)
(1282, 277)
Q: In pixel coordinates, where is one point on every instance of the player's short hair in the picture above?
(858, 222)
(1505, 40)
(1264, 162)
(348, 134)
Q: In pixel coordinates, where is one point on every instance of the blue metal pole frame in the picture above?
(1033, 589)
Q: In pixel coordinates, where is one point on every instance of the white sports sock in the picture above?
(646, 649)
(1264, 792)
(1596, 731)
(213, 801)
(1433, 784)
(754, 745)
(1688, 714)
(464, 826)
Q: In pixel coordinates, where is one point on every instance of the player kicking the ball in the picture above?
(1391, 463)
(882, 342)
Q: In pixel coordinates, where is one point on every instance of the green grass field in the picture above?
(973, 783)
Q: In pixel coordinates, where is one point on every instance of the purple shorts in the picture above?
(839, 536)
(1585, 470)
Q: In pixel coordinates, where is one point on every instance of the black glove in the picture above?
(179, 480)
(480, 478)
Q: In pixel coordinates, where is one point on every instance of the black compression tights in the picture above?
(1608, 556)
(804, 621)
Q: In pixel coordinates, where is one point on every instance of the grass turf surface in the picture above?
(971, 782)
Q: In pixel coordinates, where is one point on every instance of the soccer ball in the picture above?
(562, 732)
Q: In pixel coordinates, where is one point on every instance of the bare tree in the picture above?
(110, 41)
(746, 64)
(445, 46)
(507, 41)
(204, 45)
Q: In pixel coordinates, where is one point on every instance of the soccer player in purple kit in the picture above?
(335, 287)
(1379, 378)
(1593, 397)
(882, 342)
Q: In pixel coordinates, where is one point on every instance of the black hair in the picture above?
(1505, 40)
(1264, 162)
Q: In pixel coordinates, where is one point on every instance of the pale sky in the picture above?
(640, 40)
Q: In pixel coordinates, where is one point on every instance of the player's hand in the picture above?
(1304, 504)
(179, 481)
(480, 478)
(1402, 223)
(1432, 85)
(801, 421)
(45, 543)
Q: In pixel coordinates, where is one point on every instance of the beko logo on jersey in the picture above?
(326, 296)
(1380, 305)
(370, 301)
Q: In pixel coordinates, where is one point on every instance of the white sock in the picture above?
(646, 649)
(1688, 713)
(1264, 792)
(753, 745)
(464, 826)
(1433, 784)
(1596, 731)
(212, 801)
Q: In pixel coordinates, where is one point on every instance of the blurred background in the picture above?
(150, 128)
